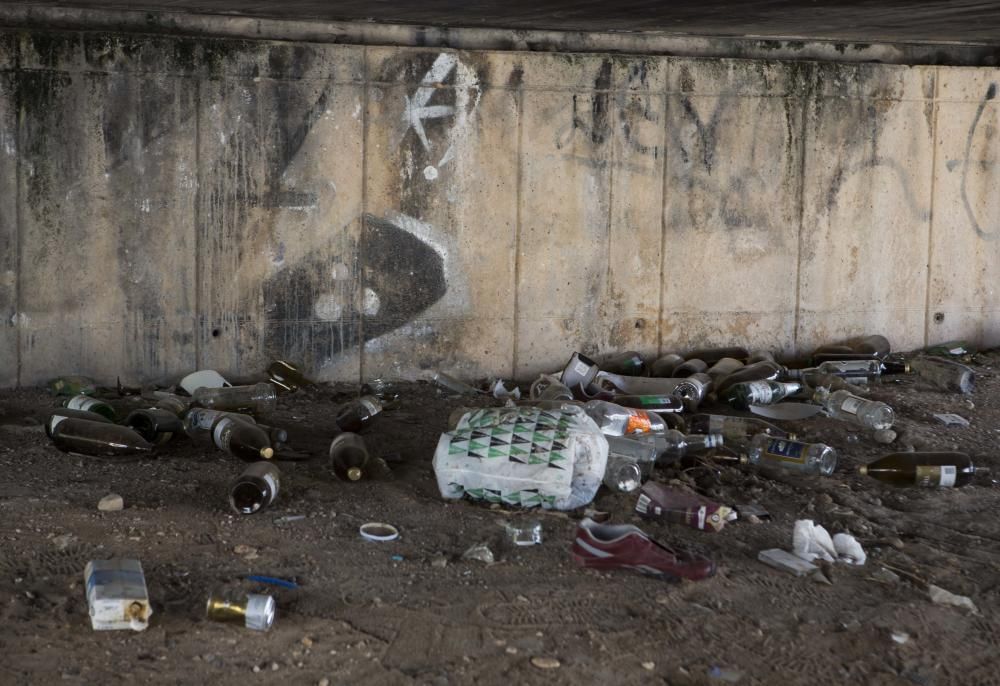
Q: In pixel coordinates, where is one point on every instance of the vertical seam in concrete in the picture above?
(18, 211)
(930, 220)
(364, 212)
(612, 106)
(801, 192)
(663, 221)
(517, 233)
(198, 274)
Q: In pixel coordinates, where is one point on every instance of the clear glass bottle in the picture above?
(66, 413)
(664, 367)
(852, 371)
(624, 473)
(875, 347)
(97, 438)
(924, 470)
(737, 431)
(743, 395)
(615, 420)
(828, 381)
(358, 414)
(629, 363)
(252, 610)
(672, 445)
(848, 407)
(154, 424)
(170, 402)
(349, 457)
(256, 488)
(763, 370)
(450, 383)
(259, 399)
(85, 402)
(947, 375)
(810, 458)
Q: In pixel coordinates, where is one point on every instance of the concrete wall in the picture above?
(168, 204)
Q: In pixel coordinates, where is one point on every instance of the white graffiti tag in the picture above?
(417, 109)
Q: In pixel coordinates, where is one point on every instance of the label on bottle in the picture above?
(203, 419)
(851, 405)
(654, 399)
(760, 392)
(639, 422)
(370, 405)
(786, 451)
(272, 485)
(82, 402)
(217, 435)
(936, 477)
(55, 422)
(581, 367)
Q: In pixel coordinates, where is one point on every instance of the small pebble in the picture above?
(111, 503)
(256, 668)
(885, 436)
(439, 561)
(307, 642)
(545, 662)
(649, 666)
(323, 682)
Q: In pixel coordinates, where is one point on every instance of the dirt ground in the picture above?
(413, 611)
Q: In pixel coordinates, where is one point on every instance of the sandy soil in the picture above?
(412, 611)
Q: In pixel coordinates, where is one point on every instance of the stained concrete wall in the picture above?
(172, 203)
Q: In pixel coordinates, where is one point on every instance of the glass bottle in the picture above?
(873, 347)
(154, 424)
(549, 387)
(630, 462)
(172, 403)
(629, 363)
(947, 375)
(84, 402)
(450, 383)
(199, 422)
(673, 445)
(810, 458)
(760, 356)
(615, 420)
(258, 399)
(349, 456)
(953, 349)
(65, 413)
(713, 355)
(72, 385)
(652, 403)
(252, 610)
(743, 395)
(242, 439)
(689, 367)
(286, 376)
(848, 407)
(856, 371)
(828, 381)
(737, 431)
(664, 367)
(358, 414)
(723, 368)
(925, 470)
(764, 370)
(256, 488)
(97, 438)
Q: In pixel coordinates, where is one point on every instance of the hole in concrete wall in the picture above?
(215, 333)
(938, 317)
(639, 323)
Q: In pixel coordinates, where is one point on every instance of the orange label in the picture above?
(638, 423)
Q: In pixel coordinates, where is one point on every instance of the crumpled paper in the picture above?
(812, 541)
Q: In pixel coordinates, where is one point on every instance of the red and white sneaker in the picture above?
(623, 546)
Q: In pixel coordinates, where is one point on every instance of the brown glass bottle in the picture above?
(692, 365)
(66, 413)
(155, 424)
(758, 371)
(255, 488)
(924, 470)
(349, 456)
(244, 440)
(713, 355)
(97, 438)
(358, 414)
(873, 347)
(664, 367)
(259, 399)
(629, 363)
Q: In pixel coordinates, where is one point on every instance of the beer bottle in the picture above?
(925, 470)
(84, 402)
(723, 369)
(85, 437)
(944, 374)
(628, 363)
(743, 395)
(255, 488)
(764, 370)
(664, 367)
(358, 414)
(154, 424)
(64, 413)
(258, 399)
(692, 365)
(234, 433)
(349, 456)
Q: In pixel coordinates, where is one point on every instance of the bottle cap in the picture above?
(863, 470)
(354, 473)
(267, 453)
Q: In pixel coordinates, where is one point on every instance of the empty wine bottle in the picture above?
(66, 413)
(873, 347)
(828, 381)
(652, 403)
(723, 368)
(810, 458)
(256, 488)
(947, 375)
(154, 424)
(170, 402)
(615, 420)
(259, 399)
(852, 371)
(713, 355)
(84, 402)
(743, 395)
(690, 366)
(953, 349)
(358, 414)
(664, 367)
(737, 431)
(277, 435)
(848, 407)
(199, 422)
(628, 363)
(85, 437)
(241, 439)
(286, 376)
(764, 370)
(760, 356)
(349, 456)
(924, 470)
(673, 445)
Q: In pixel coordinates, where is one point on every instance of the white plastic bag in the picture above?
(523, 456)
